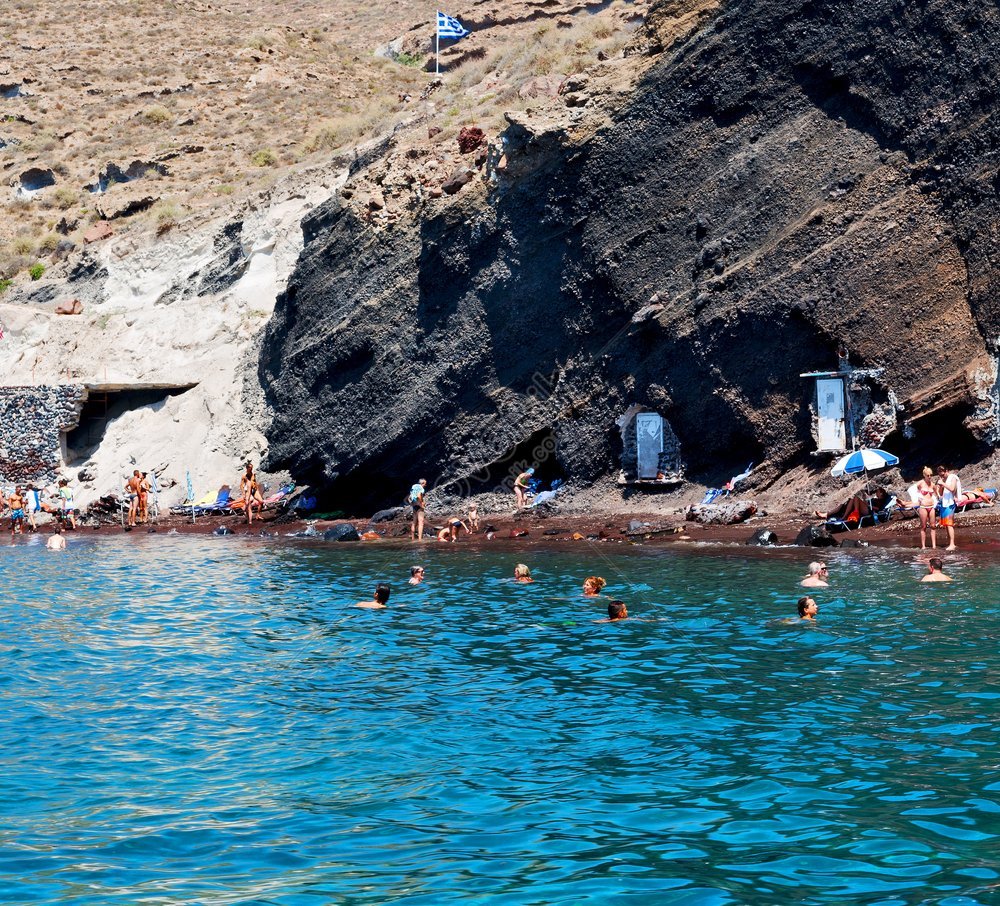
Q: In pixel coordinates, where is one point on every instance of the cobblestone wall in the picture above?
(31, 422)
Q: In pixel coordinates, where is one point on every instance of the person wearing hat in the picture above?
(521, 488)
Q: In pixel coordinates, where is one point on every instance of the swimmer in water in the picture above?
(616, 611)
(807, 608)
(593, 586)
(934, 571)
(818, 576)
(416, 575)
(522, 573)
(56, 542)
(381, 598)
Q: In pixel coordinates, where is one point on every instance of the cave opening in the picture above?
(103, 406)
(939, 438)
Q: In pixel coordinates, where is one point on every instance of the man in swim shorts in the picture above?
(935, 571)
(416, 501)
(949, 489)
(66, 496)
(818, 576)
(16, 504)
(807, 608)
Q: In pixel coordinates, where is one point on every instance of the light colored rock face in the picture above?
(151, 318)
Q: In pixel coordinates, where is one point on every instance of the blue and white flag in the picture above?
(449, 27)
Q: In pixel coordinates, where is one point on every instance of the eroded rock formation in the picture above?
(788, 176)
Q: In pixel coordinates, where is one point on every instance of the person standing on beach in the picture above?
(250, 492)
(935, 571)
(416, 500)
(927, 499)
(34, 497)
(16, 504)
(949, 488)
(66, 496)
(473, 518)
(132, 486)
(521, 487)
(144, 488)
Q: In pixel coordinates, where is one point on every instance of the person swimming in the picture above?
(807, 608)
(382, 591)
(818, 576)
(935, 571)
(56, 542)
(522, 573)
(593, 586)
(416, 575)
(616, 611)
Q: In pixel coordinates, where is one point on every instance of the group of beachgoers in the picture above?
(935, 498)
(25, 506)
(819, 577)
(455, 525)
(592, 588)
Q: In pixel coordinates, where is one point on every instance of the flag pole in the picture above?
(437, 46)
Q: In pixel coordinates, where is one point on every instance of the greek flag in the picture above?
(450, 28)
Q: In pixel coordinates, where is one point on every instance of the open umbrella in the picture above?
(863, 461)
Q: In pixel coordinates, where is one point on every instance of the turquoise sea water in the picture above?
(209, 721)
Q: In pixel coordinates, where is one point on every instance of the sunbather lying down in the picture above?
(855, 508)
(984, 496)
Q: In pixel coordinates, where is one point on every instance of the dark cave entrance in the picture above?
(938, 438)
(103, 406)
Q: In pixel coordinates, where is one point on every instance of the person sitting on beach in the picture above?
(807, 608)
(16, 504)
(416, 575)
(593, 586)
(616, 611)
(56, 542)
(381, 598)
(473, 518)
(522, 573)
(935, 571)
(927, 498)
(818, 576)
(521, 487)
(857, 507)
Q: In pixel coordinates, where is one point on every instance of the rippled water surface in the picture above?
(210, 721)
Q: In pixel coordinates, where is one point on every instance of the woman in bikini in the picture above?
(927, 499)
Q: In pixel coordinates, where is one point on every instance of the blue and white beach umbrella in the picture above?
(863, 461)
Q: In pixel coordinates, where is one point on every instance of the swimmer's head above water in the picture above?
(617, 611)
(593, 585)
(807, 608)
(522, 573)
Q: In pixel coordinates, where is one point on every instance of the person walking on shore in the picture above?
(66, 496)
(416, 500)
(927, 499)
(16, 504)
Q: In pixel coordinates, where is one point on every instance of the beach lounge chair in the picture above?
(185, 508)
(221, 505)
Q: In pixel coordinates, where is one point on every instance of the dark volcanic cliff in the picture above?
(786, 177)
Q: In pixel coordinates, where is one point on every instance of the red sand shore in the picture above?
(979, 529)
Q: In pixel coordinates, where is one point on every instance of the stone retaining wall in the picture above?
(32, 420)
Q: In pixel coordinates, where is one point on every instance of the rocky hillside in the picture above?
(757, 183)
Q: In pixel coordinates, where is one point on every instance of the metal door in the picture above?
(649, 437)
(831, 427)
